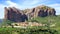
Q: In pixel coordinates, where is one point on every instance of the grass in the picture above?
(49, 19)
(44, 20)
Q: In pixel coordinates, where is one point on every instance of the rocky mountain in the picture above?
(17, 15)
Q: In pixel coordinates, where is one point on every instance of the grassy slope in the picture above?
(45, 20)
(53, 19)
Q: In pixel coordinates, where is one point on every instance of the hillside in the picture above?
(54, 21)
(52, 27)
(38, 20)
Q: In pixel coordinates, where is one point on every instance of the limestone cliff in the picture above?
(16, 15)
(41, 11)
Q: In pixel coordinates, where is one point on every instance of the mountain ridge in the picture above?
(16, 15)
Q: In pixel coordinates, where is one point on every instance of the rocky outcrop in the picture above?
(16, 15)
(41, 11)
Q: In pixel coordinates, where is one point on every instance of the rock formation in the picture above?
(16, 15)
(41, 11)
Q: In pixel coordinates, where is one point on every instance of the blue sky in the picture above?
(23, 4)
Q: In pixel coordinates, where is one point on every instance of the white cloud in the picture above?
(2, 11)
(11, 4)
(26, 4)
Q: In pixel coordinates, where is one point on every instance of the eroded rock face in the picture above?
(41, 11)
(16, 15)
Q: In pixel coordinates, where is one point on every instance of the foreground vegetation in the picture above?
(26, 31)
(52, 27)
